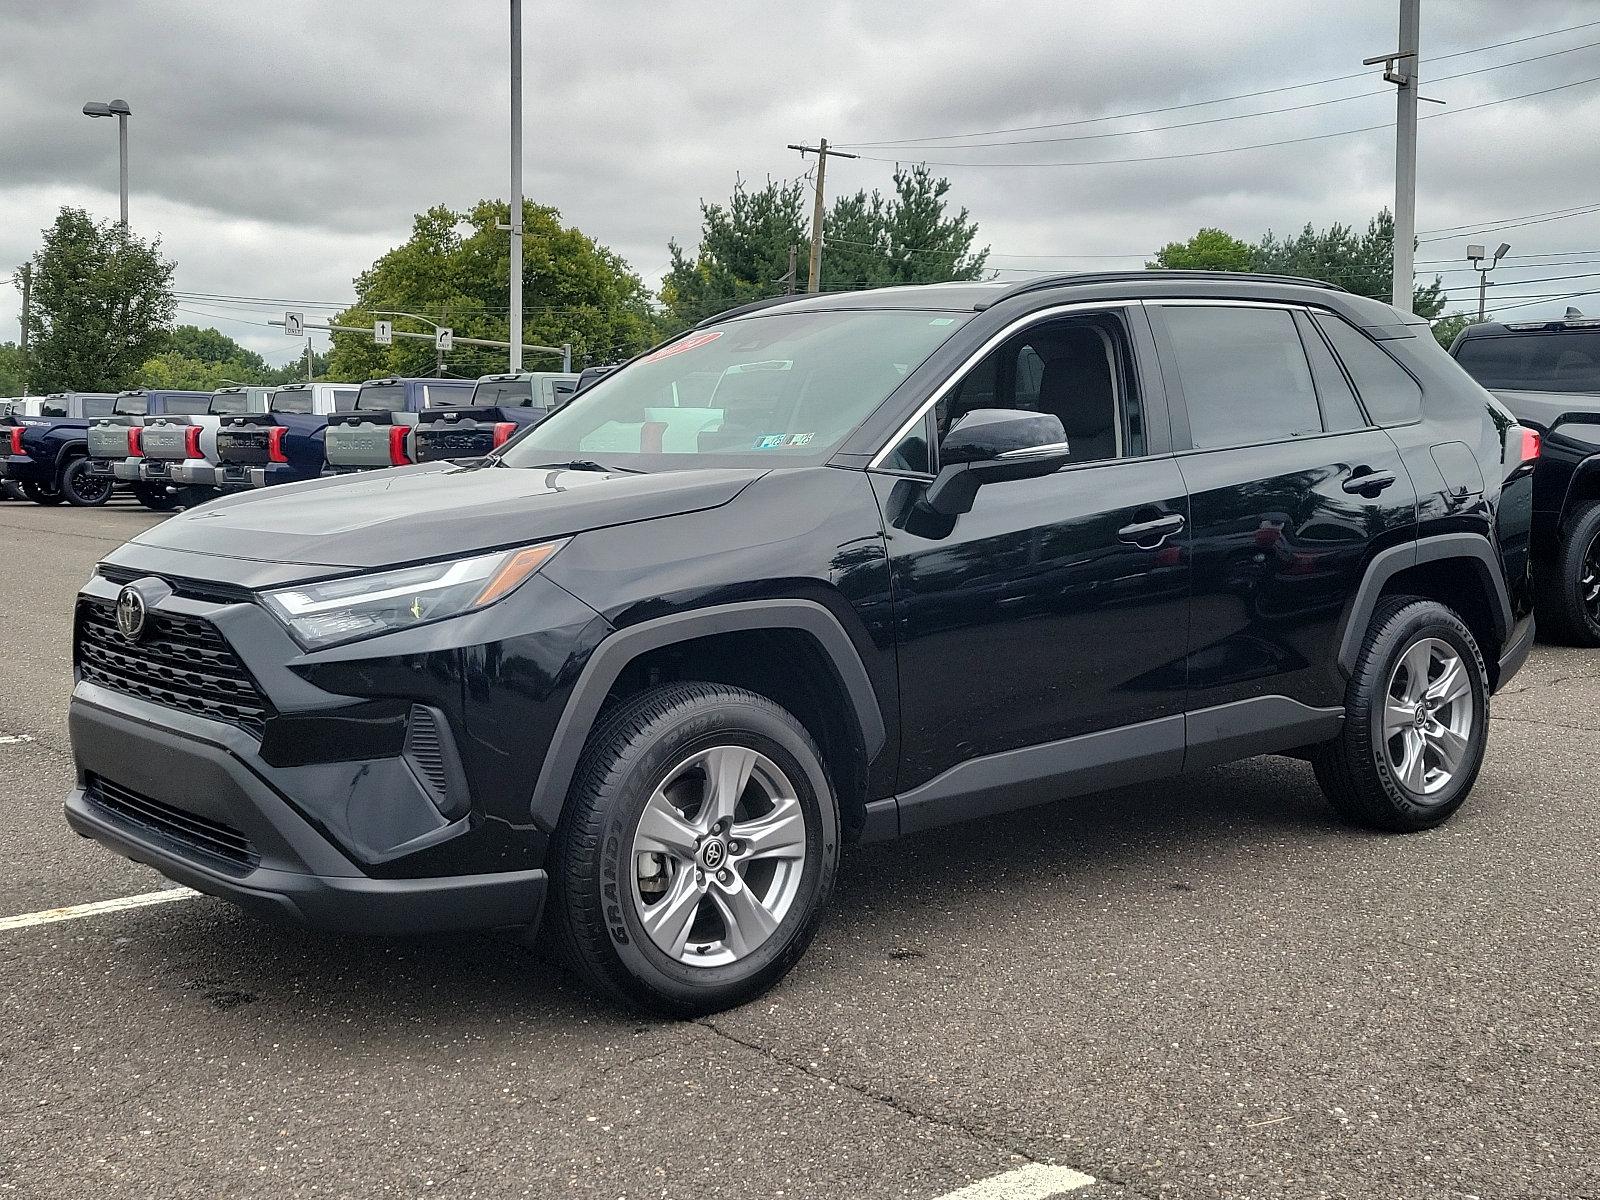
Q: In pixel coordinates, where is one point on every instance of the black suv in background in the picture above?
(827, 569)
(1548, 374)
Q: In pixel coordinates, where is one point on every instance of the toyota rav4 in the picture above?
(822, 570)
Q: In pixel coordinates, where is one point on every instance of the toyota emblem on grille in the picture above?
(130, 614)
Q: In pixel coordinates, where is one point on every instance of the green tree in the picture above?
(1207, 250)
(102, 304)
(1360, 263)
(871, 240)
(453, 272)
(212, 346)
(1446, 328)
(11, 369)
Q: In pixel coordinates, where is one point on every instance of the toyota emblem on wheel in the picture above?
(130, 614)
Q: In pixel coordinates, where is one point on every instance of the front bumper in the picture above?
(188, 472)
(21, 469)
(299, 873)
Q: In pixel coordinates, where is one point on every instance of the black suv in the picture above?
(829, 569)
(1548, 374)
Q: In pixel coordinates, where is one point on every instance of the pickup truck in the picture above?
(115, 444)
(283, 444)
(180, 451)
(501, 406)
(377, 432)
(45, 454)
(1548, 374)
(12, 407)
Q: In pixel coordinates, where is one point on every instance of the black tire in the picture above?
(155, 497)
(82, 490)
(594, 913)
(1567, 588)
(1355, 769)
(41, 493)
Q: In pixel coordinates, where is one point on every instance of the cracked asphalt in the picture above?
(1205, 988)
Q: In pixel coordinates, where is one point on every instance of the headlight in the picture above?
(340, 610)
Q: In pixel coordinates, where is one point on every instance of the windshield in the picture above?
(229, 403)
(386, 397)
(292, 400)
(761, 391)
(507, 393)
(1534, 362)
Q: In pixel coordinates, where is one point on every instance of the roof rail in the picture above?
(1081, 277)
(754, 306)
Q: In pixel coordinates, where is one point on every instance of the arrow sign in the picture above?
(383, 333)
(294, 324)
(444, 340)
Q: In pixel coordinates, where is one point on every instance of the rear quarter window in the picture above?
(1388, 392)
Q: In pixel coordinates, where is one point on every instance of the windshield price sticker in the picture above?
(693, 342)
(778, 441)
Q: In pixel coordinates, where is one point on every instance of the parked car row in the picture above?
(175, 449)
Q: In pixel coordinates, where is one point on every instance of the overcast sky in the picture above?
(278, 148)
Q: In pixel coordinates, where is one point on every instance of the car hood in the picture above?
(435, 510)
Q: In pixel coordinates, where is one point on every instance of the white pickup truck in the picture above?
(181, 451)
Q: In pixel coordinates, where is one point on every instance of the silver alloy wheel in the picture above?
(1427, 716)
(718, 856)
(1589, 581)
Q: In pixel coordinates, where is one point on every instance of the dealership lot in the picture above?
(1205, 988)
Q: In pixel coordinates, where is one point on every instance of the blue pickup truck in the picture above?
(501, 407)
(284, 444)
(114, 444)
(377, 432)
(45, 454)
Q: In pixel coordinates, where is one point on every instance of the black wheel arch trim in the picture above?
(1434, 548)
(618, 649)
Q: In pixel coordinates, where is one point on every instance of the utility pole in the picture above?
(122, 158)
(309, 362)
(1403, 69)
(814, 282)
(515, 336)
(26, 271)
(794, 258)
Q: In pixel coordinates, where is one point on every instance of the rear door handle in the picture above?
(1364, 479)
(1152, 532)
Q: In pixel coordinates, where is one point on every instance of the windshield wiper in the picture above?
(587, 464)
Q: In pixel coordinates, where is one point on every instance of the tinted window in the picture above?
(55, 408)
(229, 403)
(1339, 408)
(1535, 362)
(437, 396)
(1390, 395)
(345, 399)
(387, 397)
(507, 393)
(292, 401)
(1244, 374)
(129, 406)
(96, 406)
(188, 406)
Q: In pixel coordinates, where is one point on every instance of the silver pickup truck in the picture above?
(181, 451)
(114, 444)
(377, 432)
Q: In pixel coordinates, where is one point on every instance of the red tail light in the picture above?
(275, 444)
(135, 441)
(1532, 443)
(397, 446)
(16, 440)
(191, 442)
(503, 431)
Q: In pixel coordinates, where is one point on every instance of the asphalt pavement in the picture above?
(1203, 988)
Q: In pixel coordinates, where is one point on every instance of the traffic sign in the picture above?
(294, 324)
(383, 333)
(444, 340)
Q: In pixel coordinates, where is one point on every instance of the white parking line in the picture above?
(1036, 1181)
(11, 739)
(73, 911)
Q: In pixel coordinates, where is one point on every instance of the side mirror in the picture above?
(992, 445)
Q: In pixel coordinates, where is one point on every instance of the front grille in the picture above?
(213, 839)
(180, 662)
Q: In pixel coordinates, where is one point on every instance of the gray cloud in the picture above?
(278, 148)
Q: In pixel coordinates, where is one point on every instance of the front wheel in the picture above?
(1568, 588)
(41, 493)
(697, 850)
(1416, 721)
(81, 489)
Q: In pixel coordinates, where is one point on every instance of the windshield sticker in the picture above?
(777, 441)
(693, 342)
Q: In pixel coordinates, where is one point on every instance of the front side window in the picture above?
(1244, 374)
(1391, 396)
(772, 389)
(1534, 362)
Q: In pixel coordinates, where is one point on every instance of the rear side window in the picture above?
(1340, 411)
(1391, 396)
(1244, 374)
(1534, 362)
(51, 408)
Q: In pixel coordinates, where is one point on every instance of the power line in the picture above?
(1202, 103)
(1314, 137)
(1471, 226)
(1499, 226)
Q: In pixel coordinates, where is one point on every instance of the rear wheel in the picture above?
(41, 493)
(1416, 721)
(1568, 597)
(697, 850)
(155, 496)
(81, 489)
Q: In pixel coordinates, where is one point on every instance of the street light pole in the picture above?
(120, 110)
(1475, 257)
(515, 334)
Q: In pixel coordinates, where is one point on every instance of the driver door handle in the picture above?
(1153, 531)
(1364, 479)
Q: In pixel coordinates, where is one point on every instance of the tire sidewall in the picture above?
(1580, 538)
(1427, 622)
(71, 476)
(724, 721)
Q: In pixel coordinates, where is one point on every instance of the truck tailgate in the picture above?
(109, 440)
(363, 440)
(164, 440)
